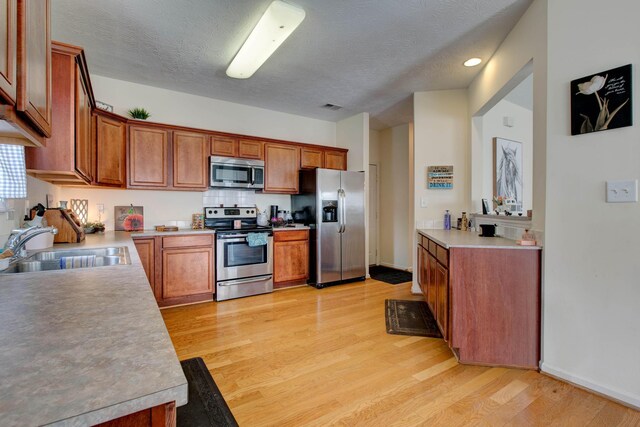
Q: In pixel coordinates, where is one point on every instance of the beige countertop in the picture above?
(297, 227)
(79, 347)
(153, 233)
(470, 239)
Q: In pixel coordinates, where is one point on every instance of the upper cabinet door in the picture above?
(148, 157)
(34, 63)
(281, 163)
(110, 151)
(8, 45)
(83, 128)
(250, 149)
(190, 154)
(224, 146)
(311, 158)
(335, 160)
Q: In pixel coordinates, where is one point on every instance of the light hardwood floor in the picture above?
(303, 356)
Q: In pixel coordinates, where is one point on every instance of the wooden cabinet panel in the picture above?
(281, 164)
(311, 158)
(442, 284)
(110, 151)
(83, 127)
(335, 160)
(146, 252)
(250, 149)
(442, 255)
(187, 241)
(432, 289)
(67, 157)
(290, 258)
(187, 272)
(34, 63)
(158, 416)
(224, 146)
(190, 160)
(148, 157)
(8, 45)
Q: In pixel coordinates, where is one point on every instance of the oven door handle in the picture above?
(234, 238)
(244, 281)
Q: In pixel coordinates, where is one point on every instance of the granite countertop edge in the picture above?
(26, 301)
(470, 239)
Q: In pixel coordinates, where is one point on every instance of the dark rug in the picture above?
(206, 405)
(390, 275)
(410, 318)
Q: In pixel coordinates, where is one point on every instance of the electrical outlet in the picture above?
(49, 201)
(423, 202)
(622, 191)
(101, 208)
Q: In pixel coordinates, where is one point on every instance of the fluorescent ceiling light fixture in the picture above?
(472, 62)
(278, 22)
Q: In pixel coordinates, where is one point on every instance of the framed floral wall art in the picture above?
(601, 101)
(129, 218)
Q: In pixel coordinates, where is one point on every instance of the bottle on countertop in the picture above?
(465, 222)
(447, 220)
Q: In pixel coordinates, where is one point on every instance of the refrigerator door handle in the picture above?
(343, 219)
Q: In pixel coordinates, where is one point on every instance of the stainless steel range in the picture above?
(244, 252)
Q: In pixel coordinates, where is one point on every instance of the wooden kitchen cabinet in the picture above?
(290, 258)
(442, 302)
(34, 63)
(311, 158)
(281, 163)
(148, 157)
(67, 157)
(250, 149)
(110, 134)
(186, 269)
(190, 160)
(334, 159)
(8, 44)
(224, 146)
(237, 147)
(146, 252)
(432, 288)
(25, 72)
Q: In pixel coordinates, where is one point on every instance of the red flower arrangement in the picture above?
(133, 222)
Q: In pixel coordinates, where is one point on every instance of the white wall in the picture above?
(482, 161)
(166, 207)
(395, 215)
(592, 279)
(183, 109)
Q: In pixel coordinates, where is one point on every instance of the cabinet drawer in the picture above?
(442, 255)
(288, 236)
(424, 242)
(183, 241)
(432, 247)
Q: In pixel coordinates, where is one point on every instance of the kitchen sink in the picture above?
(50, 260)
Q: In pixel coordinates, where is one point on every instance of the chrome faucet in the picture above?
(20, 237)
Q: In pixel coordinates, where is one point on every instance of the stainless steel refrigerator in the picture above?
(331, 202)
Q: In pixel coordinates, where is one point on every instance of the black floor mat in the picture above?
(390, 275)
(206, 405)
(410, 318)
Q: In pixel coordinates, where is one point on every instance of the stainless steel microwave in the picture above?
(228, 172)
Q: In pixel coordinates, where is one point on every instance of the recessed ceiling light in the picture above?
(472, 62)
(277, 23)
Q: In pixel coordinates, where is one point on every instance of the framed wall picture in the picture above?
(507, 172)
(439, 177)
(128, 218)
(601, 101)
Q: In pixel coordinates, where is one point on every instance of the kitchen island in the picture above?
(484, 293)
(85, 346)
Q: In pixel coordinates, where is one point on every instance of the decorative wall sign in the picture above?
(440, 177)
(104, 106)
(601, 101)
(507, 171)
(129, 218)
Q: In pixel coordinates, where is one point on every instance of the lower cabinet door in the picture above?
(432, 289)
(291, 260)
(146, 252)
(442, 283)
(187, 272)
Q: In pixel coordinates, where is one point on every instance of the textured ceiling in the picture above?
(366, 56)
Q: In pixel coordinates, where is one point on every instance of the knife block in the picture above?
(70, 229)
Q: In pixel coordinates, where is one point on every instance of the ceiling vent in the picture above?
(332, 107)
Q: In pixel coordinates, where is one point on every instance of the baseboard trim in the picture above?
(622, 398)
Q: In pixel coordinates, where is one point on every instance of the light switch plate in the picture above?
(423, 202)
(622, 191)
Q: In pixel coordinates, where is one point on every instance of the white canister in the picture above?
(263, 219)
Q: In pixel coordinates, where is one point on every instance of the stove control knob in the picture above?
(215, 212)
(248, 212)
(209, 211)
